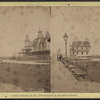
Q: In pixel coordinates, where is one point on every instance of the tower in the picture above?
(48, 40)
(27, 44)
(40, 35)
(40, 39)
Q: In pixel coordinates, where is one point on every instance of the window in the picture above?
(86, 52)
(81, 47)
(73, 52)
(77, 53)
(86, 47)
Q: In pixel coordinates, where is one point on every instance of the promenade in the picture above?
(62, 81)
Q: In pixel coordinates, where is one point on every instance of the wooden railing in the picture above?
(74, 69)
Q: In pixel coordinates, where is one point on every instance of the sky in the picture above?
(80, 23)
(16, 22)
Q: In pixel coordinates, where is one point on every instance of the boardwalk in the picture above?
(60, 76)
(63, 81)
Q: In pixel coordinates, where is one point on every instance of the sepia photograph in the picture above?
(75, 49)
(25, 40)
(49, 49)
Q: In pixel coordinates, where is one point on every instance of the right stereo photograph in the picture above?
(75, 54)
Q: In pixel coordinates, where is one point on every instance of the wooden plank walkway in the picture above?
(75, 71)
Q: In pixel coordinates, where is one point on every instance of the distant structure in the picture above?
(39, 44)
(79, 48)
(27, 44)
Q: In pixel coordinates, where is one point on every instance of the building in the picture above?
(40, 43)
(27, 44)
(80, 49)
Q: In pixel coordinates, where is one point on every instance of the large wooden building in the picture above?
(39, 47)
(41, 43)
(80, 48)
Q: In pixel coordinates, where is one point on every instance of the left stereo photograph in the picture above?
(25, 55)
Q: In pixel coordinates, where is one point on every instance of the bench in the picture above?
(78, 73)
(71, 67)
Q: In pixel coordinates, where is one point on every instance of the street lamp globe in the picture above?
(65, 37)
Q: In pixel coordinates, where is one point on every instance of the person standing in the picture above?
(59, 55)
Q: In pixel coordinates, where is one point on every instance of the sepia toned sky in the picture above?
(80, 23)
(16, 22)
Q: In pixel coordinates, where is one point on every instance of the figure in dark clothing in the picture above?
(59, 56)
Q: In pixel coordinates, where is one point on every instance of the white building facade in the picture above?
(80, 49)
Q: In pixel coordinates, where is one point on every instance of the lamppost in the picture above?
(65, 38)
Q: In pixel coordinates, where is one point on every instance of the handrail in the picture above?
(75, 70)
